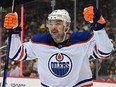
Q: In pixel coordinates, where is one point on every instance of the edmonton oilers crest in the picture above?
(60, 65)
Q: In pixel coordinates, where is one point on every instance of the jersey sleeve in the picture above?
(100, 45)
(20, 51)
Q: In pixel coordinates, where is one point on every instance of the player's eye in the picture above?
(58, 23)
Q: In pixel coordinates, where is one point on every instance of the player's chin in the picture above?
(54, 35)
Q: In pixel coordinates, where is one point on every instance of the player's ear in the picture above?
(67, 24)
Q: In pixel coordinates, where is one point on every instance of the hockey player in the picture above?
(63, 57)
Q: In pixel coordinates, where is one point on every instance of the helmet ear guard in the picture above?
(67, 27)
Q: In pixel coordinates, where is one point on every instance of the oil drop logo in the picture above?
(60, 65)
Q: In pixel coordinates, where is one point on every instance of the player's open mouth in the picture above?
(54, 32)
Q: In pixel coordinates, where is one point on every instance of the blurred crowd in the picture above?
(35, 19)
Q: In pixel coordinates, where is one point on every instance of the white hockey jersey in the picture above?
(65, 64)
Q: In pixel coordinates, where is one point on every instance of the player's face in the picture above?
(56, 29)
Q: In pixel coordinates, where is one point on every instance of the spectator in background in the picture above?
(34, 74)
(35, 65)
(63, 56)
(15, 70)
(42, 28)
(27, 72)
(93, 68)
(1, 67)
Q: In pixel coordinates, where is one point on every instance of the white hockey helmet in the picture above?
(60, 14)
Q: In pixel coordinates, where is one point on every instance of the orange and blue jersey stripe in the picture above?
(99, 54)
(79, 84)
(21, 54)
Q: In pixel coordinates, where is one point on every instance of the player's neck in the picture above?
(61, 40)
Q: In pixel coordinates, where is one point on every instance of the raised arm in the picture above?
(101, 45)
(18, 51)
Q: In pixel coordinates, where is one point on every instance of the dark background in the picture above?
(8, 3)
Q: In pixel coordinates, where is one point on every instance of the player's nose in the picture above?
(54, 27)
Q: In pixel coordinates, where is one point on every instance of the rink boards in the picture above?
(34, 82)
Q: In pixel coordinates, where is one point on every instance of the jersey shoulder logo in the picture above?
(60, 64)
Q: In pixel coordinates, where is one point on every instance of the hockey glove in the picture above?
(11, 23)
(93, 15)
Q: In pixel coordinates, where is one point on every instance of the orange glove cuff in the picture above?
(101, 20)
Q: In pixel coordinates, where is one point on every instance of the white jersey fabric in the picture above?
(65, 64)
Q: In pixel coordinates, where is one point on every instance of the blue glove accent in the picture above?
(16, 30)
(97, 26)
(97, 15)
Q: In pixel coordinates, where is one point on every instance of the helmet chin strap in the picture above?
(65, 32)
(64, 36)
